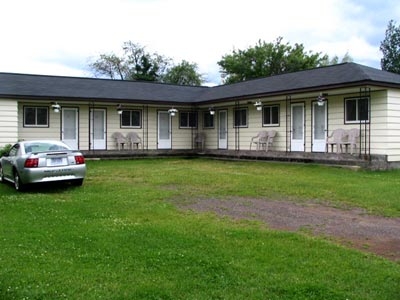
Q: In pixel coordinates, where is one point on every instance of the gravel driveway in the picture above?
(353, 227)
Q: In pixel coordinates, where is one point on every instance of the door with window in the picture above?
(319, 127)
(222, 129)
(98, 129)
(164, 130)
(69, 130)
(297, 134)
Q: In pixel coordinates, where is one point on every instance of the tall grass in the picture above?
(119, 236)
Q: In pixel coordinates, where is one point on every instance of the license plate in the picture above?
(56, 161)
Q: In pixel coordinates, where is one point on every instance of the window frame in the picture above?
(131, 125)
(212, 118)
(246, 114)
(35, 124)
(271, 106)
(357, 110)
(189, 120)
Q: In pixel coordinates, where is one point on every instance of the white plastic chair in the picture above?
(270, 141)
(199, 140)
(338, 138)
(119, 139)
(133, 139)
(352, 138)
(260, 140)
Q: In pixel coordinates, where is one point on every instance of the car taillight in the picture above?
(79, 160)
(31, 163)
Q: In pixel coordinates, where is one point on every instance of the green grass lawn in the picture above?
(119, 236)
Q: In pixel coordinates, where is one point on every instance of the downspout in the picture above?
(366, 93)
(237, 133)
(145, 131)
(288, 123)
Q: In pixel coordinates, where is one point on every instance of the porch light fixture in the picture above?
(172, 111)
(211, 110)
(258, 105)
(56, 107)
(321, 99)
(119, 109)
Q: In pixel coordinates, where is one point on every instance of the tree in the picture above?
(266, 59)
(335, 60)
(390, 48)
(109, 65)
(184, 73)
(135, 64)
(143, 65)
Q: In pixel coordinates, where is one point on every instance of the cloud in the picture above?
(58, 37)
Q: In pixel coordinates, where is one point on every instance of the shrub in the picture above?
(5, 149)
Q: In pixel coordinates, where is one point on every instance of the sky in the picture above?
(61, 37)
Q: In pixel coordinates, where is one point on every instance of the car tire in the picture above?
(1, 174)
(77, 182)
(18, 185)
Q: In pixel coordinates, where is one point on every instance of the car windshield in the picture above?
(43, 147)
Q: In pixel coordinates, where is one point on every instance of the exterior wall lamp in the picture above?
(172, 111)
(321, 99)
(119, 109)
(258, 105)
(56, 107)
(211, 110)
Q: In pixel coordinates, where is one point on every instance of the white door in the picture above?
(319, 127)
(164, 130)
(297, 136)
(222, 129)
(69, 131)
(98, 129)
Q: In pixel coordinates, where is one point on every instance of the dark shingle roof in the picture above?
(58, 87)
(42, 86)
(341, 75)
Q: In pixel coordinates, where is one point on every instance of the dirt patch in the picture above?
(354, 227)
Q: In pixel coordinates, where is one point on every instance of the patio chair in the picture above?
(199, 140)
(338, 138)
(352, 138)
(133, 139)
(270, 141)
(260, 140)
(119, 139)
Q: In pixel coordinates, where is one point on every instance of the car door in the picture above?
(7, 162)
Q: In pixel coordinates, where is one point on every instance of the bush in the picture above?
(5, 149)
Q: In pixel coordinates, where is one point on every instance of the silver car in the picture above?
(42, 161)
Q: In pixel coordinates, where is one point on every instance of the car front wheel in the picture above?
(18, 185)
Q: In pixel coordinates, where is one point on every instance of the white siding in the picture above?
(385, 123)
(393, 126)
(8, 122)
(53, 131)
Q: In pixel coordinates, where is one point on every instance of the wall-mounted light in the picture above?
(321, 99)
(172, 111)
(258, 105)
(56, 107)
(211, 110)
(119, 109)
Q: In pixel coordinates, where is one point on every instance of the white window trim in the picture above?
(272, 124)
(189, 113)
(247, 118)
(357, 111)
(36, 125)
(140, 122)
